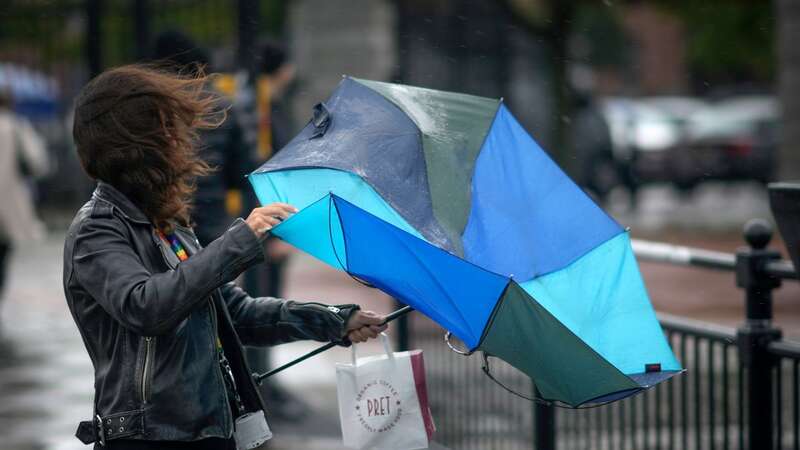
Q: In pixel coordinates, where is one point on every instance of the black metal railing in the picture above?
(786, 394)
(700, 409)
(741, 389)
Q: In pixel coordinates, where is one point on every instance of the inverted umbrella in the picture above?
(443, 201)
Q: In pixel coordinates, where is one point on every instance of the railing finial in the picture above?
(758, 233)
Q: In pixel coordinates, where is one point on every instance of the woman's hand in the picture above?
(264, 218)
(365, 325)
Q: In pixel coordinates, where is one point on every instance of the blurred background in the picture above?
(672, 114)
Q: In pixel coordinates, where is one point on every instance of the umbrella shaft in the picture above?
(261, 377)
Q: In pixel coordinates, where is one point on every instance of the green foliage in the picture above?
(598, 37)
(47, 32)
(728, 39)
(52, 31)
(273, 16)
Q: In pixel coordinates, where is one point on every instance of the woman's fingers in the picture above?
(356, 337)
(364, 318)
(267, 221)
(281, 210)
(370, 332)
(262, 219)
(262, 224)
(365, 333)
(371, 318)
(365, 325)
(285, 206)
(378, 328)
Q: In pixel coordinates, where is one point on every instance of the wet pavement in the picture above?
(710, 207)
(46, 376)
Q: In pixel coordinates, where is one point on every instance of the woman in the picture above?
(160, 316)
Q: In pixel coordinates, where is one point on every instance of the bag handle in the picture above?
(387, 348)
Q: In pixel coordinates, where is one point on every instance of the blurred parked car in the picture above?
(681, 140)
(733, 139)
(634, 143)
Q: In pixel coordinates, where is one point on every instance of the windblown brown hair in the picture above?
(136, 128)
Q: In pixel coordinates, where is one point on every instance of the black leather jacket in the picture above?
(149, 322)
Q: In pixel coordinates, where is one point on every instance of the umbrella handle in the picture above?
(260, 377)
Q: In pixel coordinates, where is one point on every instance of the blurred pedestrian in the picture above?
(273, 81)
(160, 316)
(22, 157)
(267, 128)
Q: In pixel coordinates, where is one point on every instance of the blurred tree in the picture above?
(728, 41)
(599, 38)
(47, 33)
(552, 21)
(40, 34)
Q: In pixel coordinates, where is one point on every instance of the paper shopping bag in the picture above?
(383, 401)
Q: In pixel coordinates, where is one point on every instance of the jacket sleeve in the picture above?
(270, 321)
(107, 267)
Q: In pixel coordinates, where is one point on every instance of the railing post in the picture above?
(544, 426)
(248, 22)
(94, 36)
(141, 28)
(757, 331)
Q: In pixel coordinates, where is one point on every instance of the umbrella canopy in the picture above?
(443, 201)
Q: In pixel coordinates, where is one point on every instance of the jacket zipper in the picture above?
(149, 342)
(215, 334)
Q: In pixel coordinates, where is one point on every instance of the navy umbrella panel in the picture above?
(477, 228)
(398, 175)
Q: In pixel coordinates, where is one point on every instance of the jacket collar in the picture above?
(109, 194)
